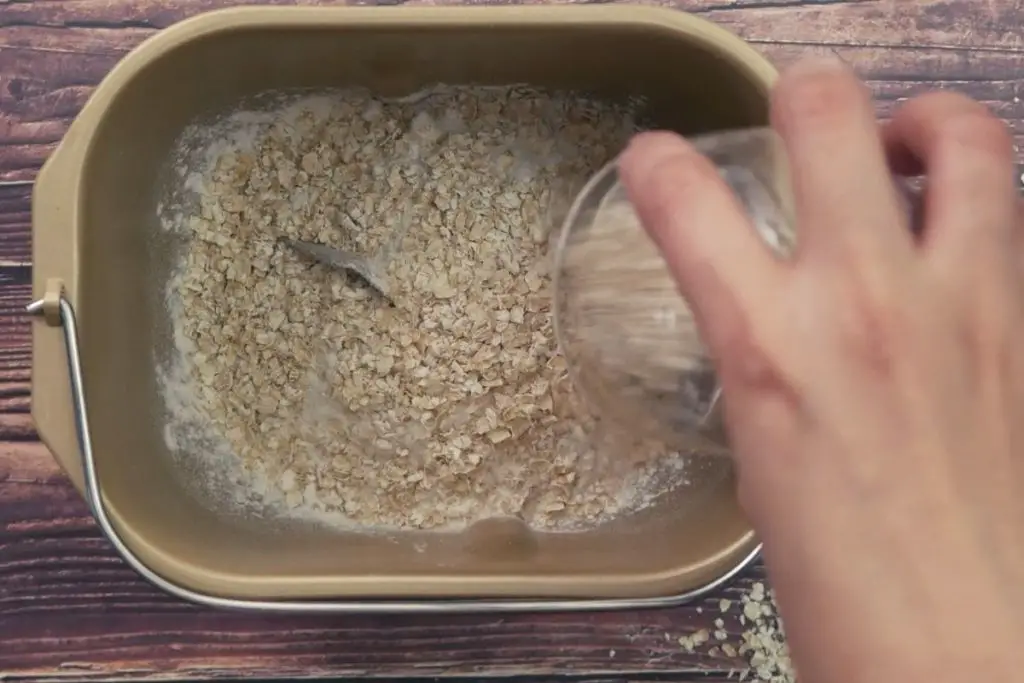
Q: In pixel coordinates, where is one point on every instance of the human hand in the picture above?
(874, 384)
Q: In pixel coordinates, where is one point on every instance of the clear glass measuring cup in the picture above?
(629, 337)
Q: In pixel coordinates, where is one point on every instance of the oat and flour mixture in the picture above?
(312, 396)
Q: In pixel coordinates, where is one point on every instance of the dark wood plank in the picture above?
(55, 52)
(15, 227)
(70, 608)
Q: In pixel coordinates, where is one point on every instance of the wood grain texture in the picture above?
(70, 609)
(54, 52)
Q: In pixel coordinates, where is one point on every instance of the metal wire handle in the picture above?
(94, 497)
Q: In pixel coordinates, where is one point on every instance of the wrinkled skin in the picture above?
(874, 384)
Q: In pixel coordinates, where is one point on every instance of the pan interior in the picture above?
(125, 263)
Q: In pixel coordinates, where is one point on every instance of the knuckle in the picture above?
(755, 368)
(749, 360)
(874, 325)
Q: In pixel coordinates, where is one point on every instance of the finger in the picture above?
(966, 154)
(846, 203)
(723, 267)
(1019, 247)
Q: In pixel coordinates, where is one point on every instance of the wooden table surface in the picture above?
(70, 609)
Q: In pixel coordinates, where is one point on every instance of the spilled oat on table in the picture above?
(294, 388)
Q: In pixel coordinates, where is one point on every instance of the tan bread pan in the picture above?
(94, 224)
